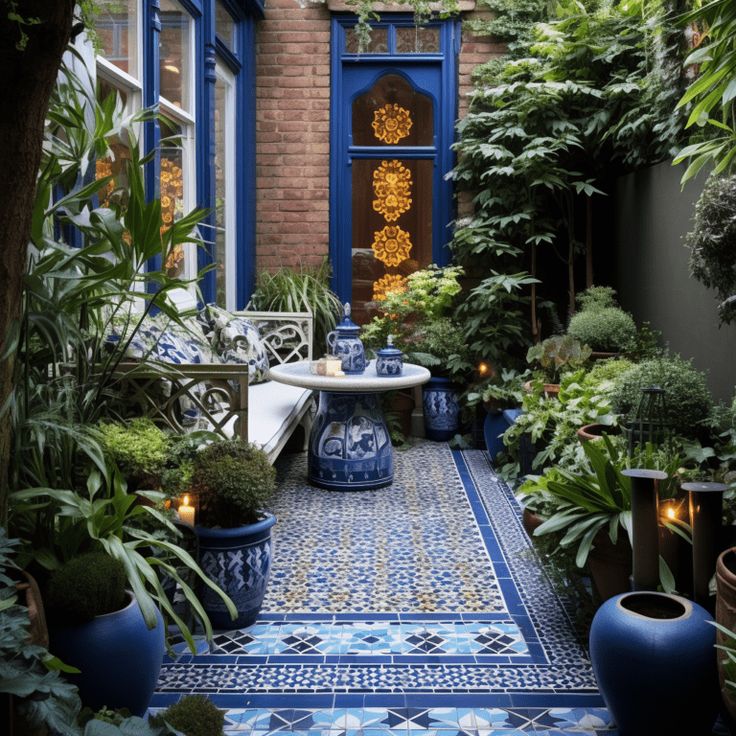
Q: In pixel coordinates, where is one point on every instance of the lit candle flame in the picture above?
(671, 513)
(185, 502)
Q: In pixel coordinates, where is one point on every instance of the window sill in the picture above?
(340, 6)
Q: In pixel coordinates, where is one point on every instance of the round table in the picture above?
(349, 444)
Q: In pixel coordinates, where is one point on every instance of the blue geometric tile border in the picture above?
(338, 667)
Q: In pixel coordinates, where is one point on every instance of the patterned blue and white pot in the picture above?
(654, 657)
(345, 343)
(389, 360)
(441, 405)
(238, 560)
(118, 656)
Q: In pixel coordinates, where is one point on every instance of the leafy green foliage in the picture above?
(302, 290)
(592, 95)
(194, 715)
(607, 329)
(234, 481)
(712, 242)
(27, 671)
(686, 392)
(139, 448)
(597, 297)
(558, 353)
(86, 586)
(710, 97)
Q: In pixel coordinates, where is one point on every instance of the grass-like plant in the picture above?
(234, 481)
(300, 290)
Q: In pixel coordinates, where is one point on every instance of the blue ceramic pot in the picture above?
(238, 560)
(654, 658)
(118, 655)
(441, 409)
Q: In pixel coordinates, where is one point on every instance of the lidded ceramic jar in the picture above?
(389, 360)
(345, 343)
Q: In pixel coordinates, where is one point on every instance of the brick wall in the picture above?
(292, 130)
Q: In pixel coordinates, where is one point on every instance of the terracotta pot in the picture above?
(596, 431)
(610, 564)
(551, 389)
(531, 521)
(601, 355)
(726, 616)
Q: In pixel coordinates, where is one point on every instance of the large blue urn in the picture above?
(238, 561)
(654, 658)
(441, 409)
(118, 656)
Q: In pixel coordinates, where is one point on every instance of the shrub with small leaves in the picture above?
(686, 395)
(139, 448)
(234, 481)
(607, 329)
(597, 297)
(87, 586)
(194, 715)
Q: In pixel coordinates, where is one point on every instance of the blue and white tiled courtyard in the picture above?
(420, 607)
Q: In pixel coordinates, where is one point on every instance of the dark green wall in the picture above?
(649, 216)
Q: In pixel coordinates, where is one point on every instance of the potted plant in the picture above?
(552, 357)
(233, 481)
(96, 626)
(602, 324)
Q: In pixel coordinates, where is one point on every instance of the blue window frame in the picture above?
(426, 60)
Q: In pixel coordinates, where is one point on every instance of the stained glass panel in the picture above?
(417, 40)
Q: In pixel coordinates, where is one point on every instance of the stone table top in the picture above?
(297, 374)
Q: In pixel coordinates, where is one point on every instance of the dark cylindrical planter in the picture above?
(645, 526)
(118, 655)
(706, 507)
(654, 657)
(726, 617)
(238, 560)
(441, 409)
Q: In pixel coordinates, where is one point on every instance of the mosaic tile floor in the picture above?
(420, 607)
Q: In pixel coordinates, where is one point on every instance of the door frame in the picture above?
(445, 117)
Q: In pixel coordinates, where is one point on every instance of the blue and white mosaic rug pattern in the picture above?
(419, 607)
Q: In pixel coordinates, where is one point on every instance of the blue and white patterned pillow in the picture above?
(137, 340)
(183, 343)
(236, 340)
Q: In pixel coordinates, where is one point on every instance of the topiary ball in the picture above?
(87, 586)
(687, 396)
(194, 715)
(609, 329)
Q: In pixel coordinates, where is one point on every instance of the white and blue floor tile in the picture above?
(418, 608)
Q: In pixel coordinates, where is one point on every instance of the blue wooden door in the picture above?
(391, 135)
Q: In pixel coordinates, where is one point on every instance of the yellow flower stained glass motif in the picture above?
(103, 168)
(390, 283)
(391, 245)
(391, 123)
(392, 187)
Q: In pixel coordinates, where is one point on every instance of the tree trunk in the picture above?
(27, 78)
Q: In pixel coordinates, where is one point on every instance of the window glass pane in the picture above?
(224, 185)
(225, 26)
(175, 50)
(392, 225)
(117, 32)
(417, 40)
(172, 187)
(377, 45)
(392, 113)
(114, 164)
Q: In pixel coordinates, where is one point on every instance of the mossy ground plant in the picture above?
(194, 715)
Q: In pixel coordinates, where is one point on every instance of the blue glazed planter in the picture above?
(654, 658)
(441, 409)
(238, 560)
(118, 655)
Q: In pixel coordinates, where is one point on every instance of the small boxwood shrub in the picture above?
(607, 329)
(234, 481)
(194, 715)
(597, 297)
(87, 586)
(688, 399)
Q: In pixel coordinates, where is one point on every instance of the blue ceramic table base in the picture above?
(350, 446)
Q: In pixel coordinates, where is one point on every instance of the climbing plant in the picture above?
(587, 94)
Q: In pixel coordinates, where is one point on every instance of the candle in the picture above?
(186, 512)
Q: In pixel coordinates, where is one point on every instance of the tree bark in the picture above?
(27, 78)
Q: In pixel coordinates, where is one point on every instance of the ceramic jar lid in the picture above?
(390, 351)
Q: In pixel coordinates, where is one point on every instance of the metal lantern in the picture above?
(649, 425)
